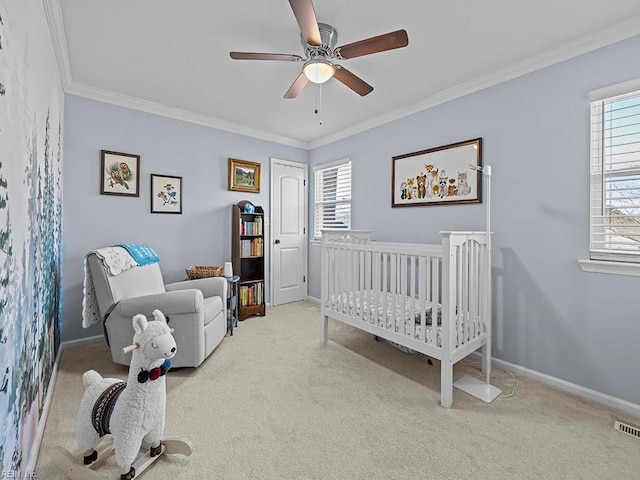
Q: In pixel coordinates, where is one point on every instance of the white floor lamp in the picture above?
(477, 388)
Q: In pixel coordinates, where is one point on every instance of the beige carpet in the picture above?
(272, 403)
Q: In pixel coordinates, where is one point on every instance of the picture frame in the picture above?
(166, 194)
(244, 176)
(119, 173)
(442, 175)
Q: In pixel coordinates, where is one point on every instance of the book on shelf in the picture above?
(251, 228)
(252, 248)
(252, 294)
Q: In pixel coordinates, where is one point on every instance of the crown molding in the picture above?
(135, 103)
(593, 41)
(53, 12)
(582, 45)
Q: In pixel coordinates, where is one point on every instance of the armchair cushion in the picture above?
(210, 287)
(212, 308)
(169, 303)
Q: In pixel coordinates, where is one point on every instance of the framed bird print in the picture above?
(166, 194)
(119, 174)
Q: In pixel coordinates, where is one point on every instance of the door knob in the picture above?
(277, 241)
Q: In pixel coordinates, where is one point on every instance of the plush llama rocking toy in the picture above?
(132, 412)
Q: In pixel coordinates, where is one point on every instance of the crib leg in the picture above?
(446, 384)
(325, 329)
(486, 359)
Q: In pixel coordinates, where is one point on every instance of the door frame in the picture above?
(305, 262)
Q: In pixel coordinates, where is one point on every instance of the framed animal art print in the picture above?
(438, 176)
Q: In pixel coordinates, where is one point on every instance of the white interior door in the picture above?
(288, 231)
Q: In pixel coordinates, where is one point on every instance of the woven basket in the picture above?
(202, 271)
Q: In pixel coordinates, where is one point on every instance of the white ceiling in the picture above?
(176, 54)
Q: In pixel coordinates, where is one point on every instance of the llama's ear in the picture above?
(139, 323)
(159, 316)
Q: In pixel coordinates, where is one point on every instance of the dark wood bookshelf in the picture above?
(247, 250)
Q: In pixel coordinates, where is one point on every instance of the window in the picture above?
(333, 196)
(615, 174)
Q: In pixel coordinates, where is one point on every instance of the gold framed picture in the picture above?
(244, 176)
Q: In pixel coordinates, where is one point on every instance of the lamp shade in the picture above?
(318, 71)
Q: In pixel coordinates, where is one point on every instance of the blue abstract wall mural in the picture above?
(31, 114)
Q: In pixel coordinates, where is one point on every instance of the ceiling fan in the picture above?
(319, 40)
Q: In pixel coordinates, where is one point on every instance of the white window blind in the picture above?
(332, 197)
(615, 178)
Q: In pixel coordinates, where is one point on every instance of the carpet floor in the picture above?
(271, 402)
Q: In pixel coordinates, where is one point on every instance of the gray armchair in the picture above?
(196, 309)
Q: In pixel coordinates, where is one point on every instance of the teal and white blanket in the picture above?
(141, 253)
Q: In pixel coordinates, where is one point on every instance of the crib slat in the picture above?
(465, 292)
(366, 301)
(436, 280)
(393, 287)
(351, 279)
(330, 273)
(470, 292)
(422, 288)
(403, 271)
(475, 290)
(458, 297)
(385, 261)
(412, 283)
(376, 290)
(360, 268)
(340, 280)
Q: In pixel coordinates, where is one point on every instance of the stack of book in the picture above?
(251, 228)
(252, 248)
(251, 294)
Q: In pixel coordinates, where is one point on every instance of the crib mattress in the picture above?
(357, 304)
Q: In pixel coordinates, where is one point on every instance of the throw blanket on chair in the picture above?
(116, 260)
(141, 253)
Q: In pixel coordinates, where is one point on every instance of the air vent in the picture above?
(628, 429)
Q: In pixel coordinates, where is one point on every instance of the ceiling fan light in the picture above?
(318, 71)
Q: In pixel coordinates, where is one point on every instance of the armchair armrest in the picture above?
(169, 303)
(210, 287)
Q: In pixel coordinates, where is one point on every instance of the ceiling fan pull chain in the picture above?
(318, 109)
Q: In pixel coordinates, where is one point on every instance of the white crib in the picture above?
(433, 299)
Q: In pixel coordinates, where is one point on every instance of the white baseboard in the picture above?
(81, 341)
(314, 299)
(35, 446)
(584, 392)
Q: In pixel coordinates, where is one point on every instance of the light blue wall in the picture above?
(549, 315)
(200, 236)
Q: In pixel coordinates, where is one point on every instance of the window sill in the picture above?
(613, 268)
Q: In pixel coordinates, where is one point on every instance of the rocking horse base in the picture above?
(76, 471)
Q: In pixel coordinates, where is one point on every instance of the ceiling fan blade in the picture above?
(297, 86)
(381, 43)
(265, 56)
(306, 17)
(356, 84)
